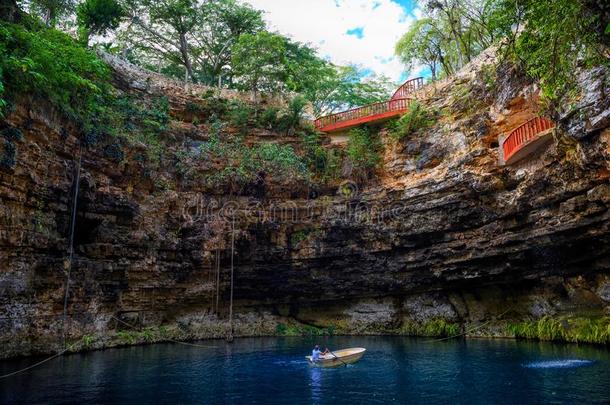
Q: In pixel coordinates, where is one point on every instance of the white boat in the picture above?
(338, 357)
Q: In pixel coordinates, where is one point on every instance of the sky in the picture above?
(347, 32)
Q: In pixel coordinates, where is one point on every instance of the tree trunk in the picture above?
(185, 56)
(10, 12)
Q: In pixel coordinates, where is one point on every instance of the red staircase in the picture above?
(397, 105)
(525, 139)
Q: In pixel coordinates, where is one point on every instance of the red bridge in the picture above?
(526, 138)
(397, 105)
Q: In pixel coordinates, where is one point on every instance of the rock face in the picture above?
(442, 233)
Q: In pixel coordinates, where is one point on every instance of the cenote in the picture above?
(273, 370)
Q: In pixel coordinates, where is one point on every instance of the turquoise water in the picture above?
(274, 371)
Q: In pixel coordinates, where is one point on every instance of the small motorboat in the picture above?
(338, 357)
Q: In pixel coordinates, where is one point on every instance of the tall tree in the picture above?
(223, 21)
(450, 35)
(51, 10)
(164, 29)
(553, 39)
(342, 87)
(97, 17)
(9, 11)
(423, 43)
(259, 61)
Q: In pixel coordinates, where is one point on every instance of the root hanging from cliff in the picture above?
(473, 328)
(217, 280)
(41, 362)
(71, 245)
(230, 336)
(133, 327)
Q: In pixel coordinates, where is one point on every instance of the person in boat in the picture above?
(316, 353)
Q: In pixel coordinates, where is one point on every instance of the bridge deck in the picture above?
(526, 139)
(377, 112)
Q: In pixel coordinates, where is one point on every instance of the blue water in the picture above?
(274, 371)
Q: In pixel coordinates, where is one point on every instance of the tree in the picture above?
(223, 21)
(553, 39)
(51, 10)
(346, 88)
(97, 17)
(9, 11)
(450, 35)
(259, 62)
(191, 36)
(164, 29)
(423, 43)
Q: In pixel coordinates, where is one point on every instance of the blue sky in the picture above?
(358, 32)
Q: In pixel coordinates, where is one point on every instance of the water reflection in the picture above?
(274, 371)
(315, 373)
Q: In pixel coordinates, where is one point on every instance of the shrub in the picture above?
(363, 151)
(43, 61)
(292, 115)
(416, 118)
(269, 118)
(246, 164)
(239, 115)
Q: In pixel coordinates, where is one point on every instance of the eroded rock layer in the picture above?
(442, 236)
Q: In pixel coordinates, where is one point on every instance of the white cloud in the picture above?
(324, 25)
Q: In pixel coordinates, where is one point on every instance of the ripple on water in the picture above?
(568, 363)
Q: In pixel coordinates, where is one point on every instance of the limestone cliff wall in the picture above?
(443, 233)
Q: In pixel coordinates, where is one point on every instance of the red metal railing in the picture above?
(408, 87)
(361, 112)
(524, 133)
(398, 102)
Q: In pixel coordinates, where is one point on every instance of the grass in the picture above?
(283, 329)
(578, 330)
(435, 327)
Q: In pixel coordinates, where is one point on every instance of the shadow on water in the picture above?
(274, 370)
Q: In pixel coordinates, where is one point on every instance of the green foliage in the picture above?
(87, 341)
(269, 118)
(223, 22)
(422, 44)
(258, 61)
(437, 327)
(448, 36)
(98, 17)
(245, 165)
(302, 330)
(127, 337)
(239, 115)
(177, 35)
(338, 88)
(556, 36)
(51, 10)
(416, 119)
(301, 235)
(136, 120)
(363, 151)
(326, 163)
(291, 117)
(583, 330)
(48, 63)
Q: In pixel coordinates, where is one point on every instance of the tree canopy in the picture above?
(548, 39)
